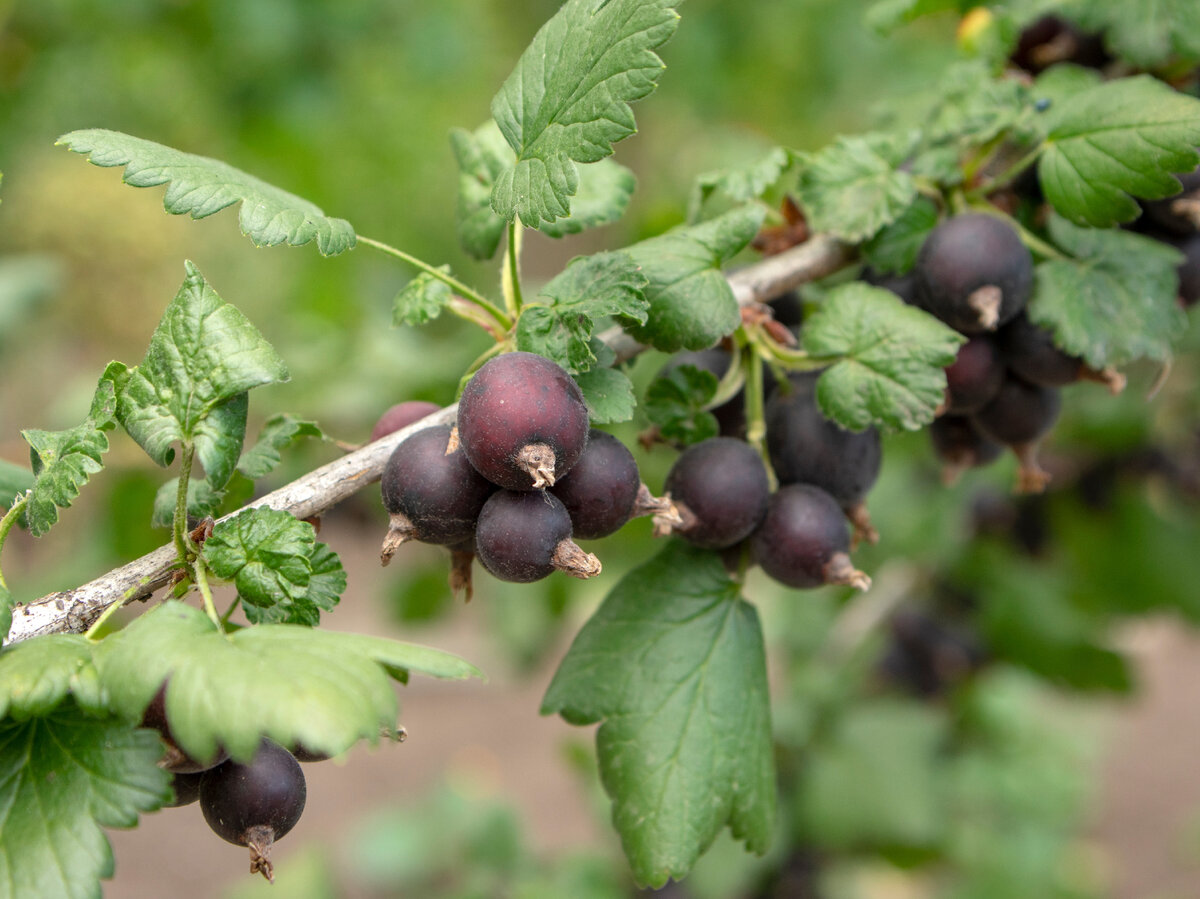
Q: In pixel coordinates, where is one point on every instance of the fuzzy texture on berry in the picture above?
(524, 536)
(803, 541)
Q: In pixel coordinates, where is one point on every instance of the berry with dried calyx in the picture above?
(431, 491)
(522, 421)
(255, 804)
(523, 536)
(1030, 352)
(604, 489)
(960, 445)
(1019, 417)
(973, 273)
(803, 541)
(720, 489)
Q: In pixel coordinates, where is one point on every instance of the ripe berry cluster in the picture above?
(250, 805)
(974, 273)
(518, 477)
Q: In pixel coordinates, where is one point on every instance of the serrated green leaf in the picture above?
(691, 303)
(977, 106)
(1115, 302)
(265, 553)
(877, 779)
(894, 248)
(740, 185)
(558, 325)
(567, 100)
(62, 461)
(14, 479)
(421, 300)
(202, 501)
(278, 432)
(325, 588)
(854, 187)
(673, 665)
(677, 402)
(1148, 33)
(200, 186)
(887, 358)
(36, 675)
(62, 779)
(1118, 139)
(608, 394)
(297, 685)
(481, 155)
(191, 386)
(605, 188)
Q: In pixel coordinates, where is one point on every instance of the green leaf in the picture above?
(608, 394)
(673, 664)
(1122, 137)
(278, 433)
(605, 188)
(200, 186)
(36, 675)
(62, 461)
(323, 689)
(202, 501)
(265, 553)
(885, 16)
(691, 303)
(203, 357)
(1148, 33)
(894, 248)
(421, 300)
(887, 358)
(976, 107)
(677, 402)
(567, 100)
(481, 155)
(742, 184)
(1115, 302)
(325, 588)
(853, 188)
(877, 779)
(63, 778)
(559, 323)
(14, 479)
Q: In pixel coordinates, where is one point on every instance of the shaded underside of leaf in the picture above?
(199, 186)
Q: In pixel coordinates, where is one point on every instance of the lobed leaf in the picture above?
(421, 300)
(63, 778)
(608, 394)
(759, 180)
(691, 304)
(326, 584)
(559, 323)
(296, 685)
(677, 402)
(1148, 33)
(200, 186)
(36, 675)
(63, 461)
(1115, 301)
(265, 553)
(567, 100)
(191, 386)
(1118, 139)
(673, 665)
(854, 187)
(482, 155)
(894, 247)
(278, 432)
(887, 358)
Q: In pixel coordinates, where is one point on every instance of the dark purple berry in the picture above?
(1051, 39)
(903, 286)
(1180, 213)
(522, 421)
(174, 759)
(431, 491)
(1019, 416)
(255, 804)
(973, 273)
(960, 445)
(187, 789)
(523, 536)
(1030, 353)
(401, 416)
(720, 490)
(604, 489)
(805, 447)
(975, 376)
(928, 656)
(803, 541)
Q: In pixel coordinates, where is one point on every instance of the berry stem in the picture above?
(179, 525)
(512, 274)
(206, 591)
(458, 286)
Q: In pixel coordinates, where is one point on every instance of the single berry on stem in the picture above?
(803, 541)
(1019, 417)
(522, 421)
(431, 491)
(523, 536)
(960, 445)
(720, 489)
(1030, 352)
(255, 804)
(604, 489)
